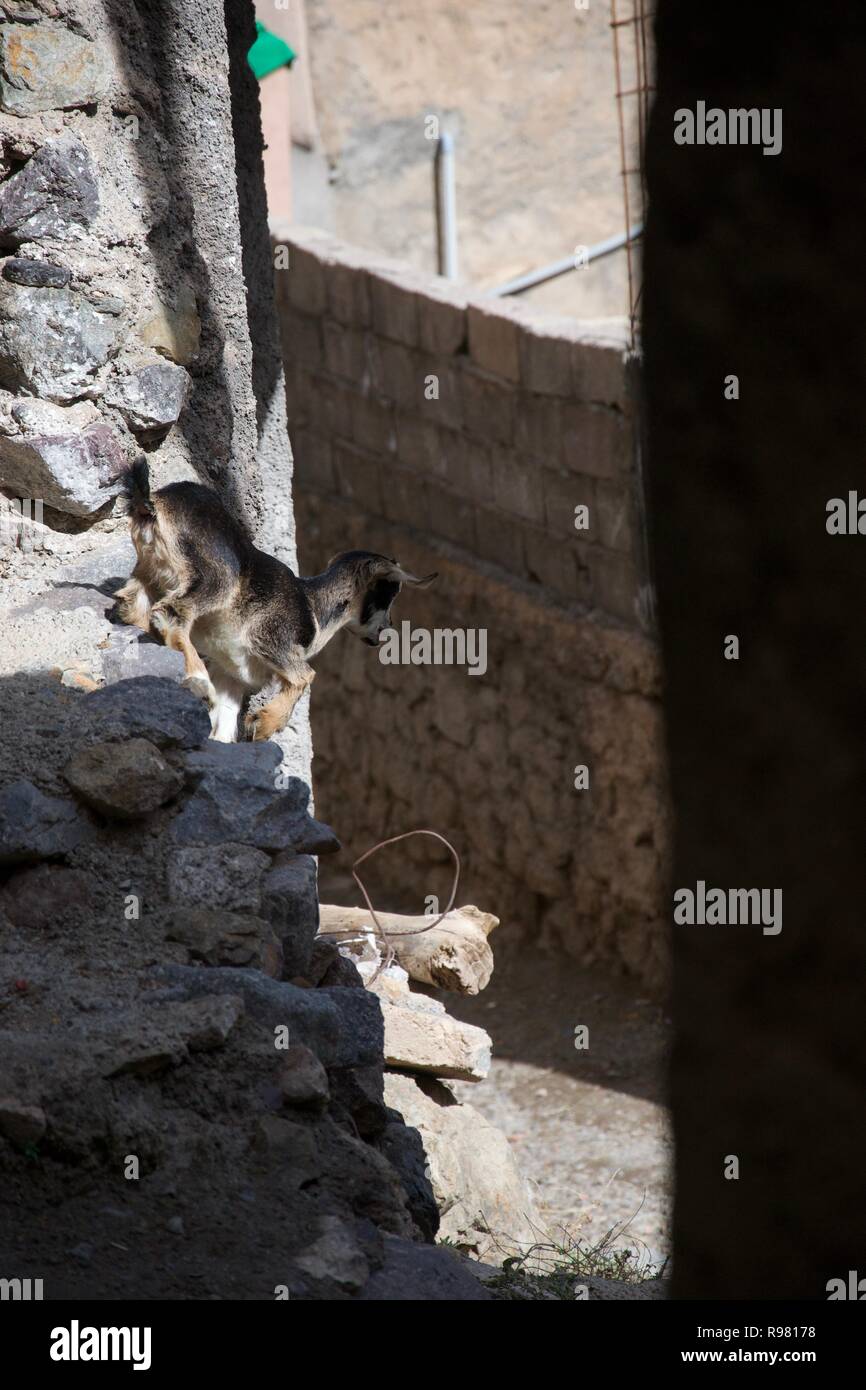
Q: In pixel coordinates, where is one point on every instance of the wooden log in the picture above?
(454, 955)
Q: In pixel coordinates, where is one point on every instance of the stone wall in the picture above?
(185, 1058)
(460, 436)
(125, 321)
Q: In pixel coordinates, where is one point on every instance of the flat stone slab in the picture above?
(343, 1027)
(34, 826)
(418, 1039)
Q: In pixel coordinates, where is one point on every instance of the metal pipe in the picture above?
(555, 268)
(446, 208)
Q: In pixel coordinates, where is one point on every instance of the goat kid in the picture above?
(241, 618)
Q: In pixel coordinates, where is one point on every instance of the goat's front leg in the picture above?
(272, 717)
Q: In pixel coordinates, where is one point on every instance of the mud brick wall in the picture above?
(460, 435)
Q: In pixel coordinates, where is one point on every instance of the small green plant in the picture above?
(553, 1269)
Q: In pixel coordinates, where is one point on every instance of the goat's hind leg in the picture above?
(133, 604)
(173, 624)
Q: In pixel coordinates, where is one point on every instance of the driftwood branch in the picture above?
(453, 955)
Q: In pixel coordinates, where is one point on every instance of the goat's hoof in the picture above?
(201, 688)
(258, 727)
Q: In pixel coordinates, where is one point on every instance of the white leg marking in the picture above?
(224, 715)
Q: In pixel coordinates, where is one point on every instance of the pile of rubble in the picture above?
(186, 1050)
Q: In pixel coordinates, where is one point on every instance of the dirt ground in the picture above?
(589, 1127)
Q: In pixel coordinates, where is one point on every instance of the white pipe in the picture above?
(550, 272)
(446, 208)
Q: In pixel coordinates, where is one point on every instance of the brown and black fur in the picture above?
(201, 583)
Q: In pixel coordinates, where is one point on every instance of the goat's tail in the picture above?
(137, 485)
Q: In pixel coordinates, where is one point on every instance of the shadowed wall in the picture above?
(754, 268)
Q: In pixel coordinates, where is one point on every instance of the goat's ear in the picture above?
(404, 577)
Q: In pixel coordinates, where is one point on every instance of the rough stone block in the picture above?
(346, 352)
(123, 780)
(52, 342)
(129, 656)
(398, 373)
(373, 424)
(554, 564)
(439, 397)
(34, 826)
(404, 498)
(468, 466)
(48, 69)
(394, 303)
(488, 407)
(313, 460)
(421, 445)
(144, 707)
(562, 493)
(173, 330)
(483, 1201)
(237, 800)
(615, 584)
(546, 360)
(595, 441)
(76, 472)
(290, 902)
(42, 896)
(517, 486)
(423, 1274)
(38, 274)
(348, 289)
(442, 324)
(151, 397)
(500, 540)
(343, 1027)
(303, 1081)
(224, 877)
(600, 365)
(494, 337)
(358, 478)
(302, 337)
(20, 1123)
(216, 937)
(52, 196)
(421, 1039)
(613, 516)
(539, 426)
(321, 399)
(304, 280)
(451, 516)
